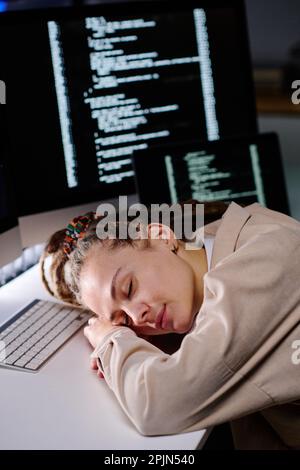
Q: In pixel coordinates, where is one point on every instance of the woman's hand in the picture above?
(97, 328)
(94, 366)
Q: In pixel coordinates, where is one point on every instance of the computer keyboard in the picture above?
(35, 333)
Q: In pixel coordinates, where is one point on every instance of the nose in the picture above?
(138, 312)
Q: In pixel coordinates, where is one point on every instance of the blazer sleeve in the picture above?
(208, 380)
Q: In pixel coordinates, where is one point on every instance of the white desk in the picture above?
(65, 405)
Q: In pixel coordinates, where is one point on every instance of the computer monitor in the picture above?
(244, 170)
(87, 87)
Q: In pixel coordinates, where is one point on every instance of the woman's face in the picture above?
(151, 290)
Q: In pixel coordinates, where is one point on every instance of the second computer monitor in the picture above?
(244, 170)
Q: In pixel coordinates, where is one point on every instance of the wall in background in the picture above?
(288, 129)
(273, 29)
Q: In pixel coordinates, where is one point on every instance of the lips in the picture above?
(158, 321)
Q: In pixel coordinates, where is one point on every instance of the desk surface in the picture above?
(65, 405)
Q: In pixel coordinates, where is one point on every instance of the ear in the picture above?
(158, 231)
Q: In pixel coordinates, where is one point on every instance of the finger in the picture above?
(100, 375)
(92, 320)
(93, 363)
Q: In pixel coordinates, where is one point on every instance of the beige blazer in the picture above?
(239, 362)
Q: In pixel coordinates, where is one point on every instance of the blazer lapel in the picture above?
(226, 231)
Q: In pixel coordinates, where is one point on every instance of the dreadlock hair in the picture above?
(63, 275)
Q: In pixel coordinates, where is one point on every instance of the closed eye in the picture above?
(129, 290)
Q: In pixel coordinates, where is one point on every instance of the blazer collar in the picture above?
(226, 231)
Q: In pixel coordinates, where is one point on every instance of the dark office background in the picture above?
(275, 45)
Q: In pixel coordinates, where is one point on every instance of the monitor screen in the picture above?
(243, 170)
(89, 87)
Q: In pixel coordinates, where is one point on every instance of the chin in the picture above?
(182, 329)
(185, 328)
